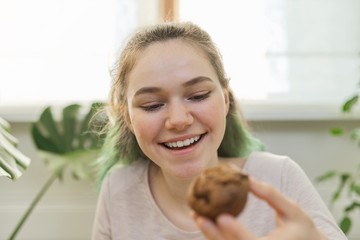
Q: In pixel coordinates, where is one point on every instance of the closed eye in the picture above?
(152, 107)
(200, 97)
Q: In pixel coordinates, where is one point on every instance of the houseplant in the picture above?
(69, 143)
(12, 161)
(348, 181)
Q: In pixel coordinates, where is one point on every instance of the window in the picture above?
(285, 51)
(56, 51)
(275, 51)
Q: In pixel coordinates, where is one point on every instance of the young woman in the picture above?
(171, 115)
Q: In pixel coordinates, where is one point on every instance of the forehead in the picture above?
(168, 64)
(172, 48)
(174, 56)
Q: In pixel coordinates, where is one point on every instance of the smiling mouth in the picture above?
(183, 144)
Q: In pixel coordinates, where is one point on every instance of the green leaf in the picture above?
(355, 188)
(70, 115)
(8, 167)
(351, 207)
(355, 134)
(5, 132)
(19, 158)
(5, 125)
(49, 130)
(337, 131)
(72, 150)
(348, 105)
(87, 139)
(11, 159)
(343, 179)
(42, 142)
(80, 163)
(326, 176)
(345, 224)
(335, 196)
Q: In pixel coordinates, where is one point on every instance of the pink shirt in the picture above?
(127, 210)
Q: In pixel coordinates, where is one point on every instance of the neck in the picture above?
(170, 194)
(174, 188)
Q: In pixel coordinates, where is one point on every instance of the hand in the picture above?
(292, 222)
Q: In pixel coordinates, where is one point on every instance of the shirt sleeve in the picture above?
(101, 227)
(298, 187)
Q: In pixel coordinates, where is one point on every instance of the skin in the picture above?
(292, 222)
(174, 95)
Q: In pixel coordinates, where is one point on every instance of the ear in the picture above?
(227, 99)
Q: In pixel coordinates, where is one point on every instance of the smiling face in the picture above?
(177, 107)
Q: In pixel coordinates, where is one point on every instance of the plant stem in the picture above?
(33, 204)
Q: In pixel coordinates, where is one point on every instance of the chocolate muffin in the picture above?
(219, 189)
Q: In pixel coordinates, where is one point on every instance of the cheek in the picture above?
(215, 114)
(219, 113)
(217, 108)
(144, 126)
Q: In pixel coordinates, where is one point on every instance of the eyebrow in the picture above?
(189, 83)
(196, 80)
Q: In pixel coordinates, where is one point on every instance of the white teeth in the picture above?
(186, 142)
(180, 143)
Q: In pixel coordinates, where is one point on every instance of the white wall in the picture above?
(67, 210)
(316, 151)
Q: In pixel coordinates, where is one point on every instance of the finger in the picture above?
(233, 229)
(283, 205)
(193, 215)
(209, 229)
(278, 220)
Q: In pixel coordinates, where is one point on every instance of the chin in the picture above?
(189, 171)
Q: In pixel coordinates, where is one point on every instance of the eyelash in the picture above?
(196, 98)
(200, 97)
(152, 108)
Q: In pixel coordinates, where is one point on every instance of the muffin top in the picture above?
(219, 189)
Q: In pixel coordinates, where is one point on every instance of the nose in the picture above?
(178, 117)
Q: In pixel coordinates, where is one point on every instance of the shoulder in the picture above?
(271, 167)
(268, 157)
(261, 161)
(125, 176)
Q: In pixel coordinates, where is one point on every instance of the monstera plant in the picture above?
(348, 181)
(70, 143)
(12, 161)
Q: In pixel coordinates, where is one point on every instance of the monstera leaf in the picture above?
(66, 143)
(69, 143)
(12, 161)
